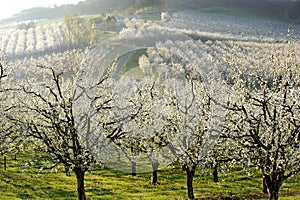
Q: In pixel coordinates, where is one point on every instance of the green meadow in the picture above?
(20, 182)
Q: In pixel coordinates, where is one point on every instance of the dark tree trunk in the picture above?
(273, 195)
(4, 160)
(215, 173)
(264, 186)
(80, 183)
(190, 172)
(155, 166)
(67, 171)
(274, 182)
(133, 168)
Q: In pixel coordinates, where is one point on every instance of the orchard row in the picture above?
(39, 39)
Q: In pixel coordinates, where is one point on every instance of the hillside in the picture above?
(82, 8)
(155, 99)
(287, 10)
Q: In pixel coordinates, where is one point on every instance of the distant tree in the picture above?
(26, 26)
(90, 33)
(111, 22)
(224, 155)
(154, 3)
(74, 27)
(79, 32)
(148, 130)
(128, 134)
(140, 4)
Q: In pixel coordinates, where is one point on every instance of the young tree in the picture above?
(65, 113)
(195, 125)
(148, 131)
(9, 143)
(263, 117)
(128, 101)
(191, 82)
(224, 155)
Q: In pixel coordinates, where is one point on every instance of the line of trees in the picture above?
(74, 32)
(264, 117)
(79, 33)
(35, 40)
(184, 110)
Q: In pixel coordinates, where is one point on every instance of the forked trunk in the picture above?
(273, 195)
(274, 182)
(273, 190)
(155, 166)
(133, 168)
(190, 172)
(80, 183)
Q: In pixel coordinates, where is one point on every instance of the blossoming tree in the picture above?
(264, 115)
(64, 113)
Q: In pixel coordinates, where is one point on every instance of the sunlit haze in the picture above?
(11, 7)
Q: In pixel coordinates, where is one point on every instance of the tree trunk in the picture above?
(80, 183)
(67, 170)
(133, 168)
(264, 186)
(274, 182)
(215, 173)
(190, 172)
(154, 172)
(273, 195)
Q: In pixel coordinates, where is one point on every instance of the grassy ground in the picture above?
(107, 183)
(131, 63)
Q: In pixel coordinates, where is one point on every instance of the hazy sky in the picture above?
(10, 7)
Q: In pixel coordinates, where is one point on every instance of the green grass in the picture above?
(133, 59)
(102, 35)
(131, 65)
(108, 184)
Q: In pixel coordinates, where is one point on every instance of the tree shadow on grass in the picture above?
(49, 194)
(223, 197)
(247, 197)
